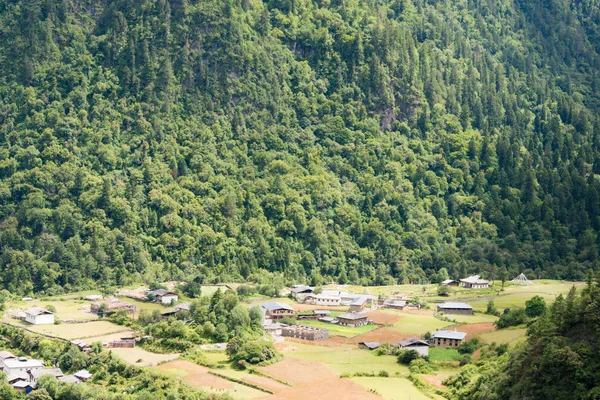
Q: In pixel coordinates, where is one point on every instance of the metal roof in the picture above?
(352, 315)
(371, 345)
(412, 342)
(160, 293)
(56, 372)
(273, 305)
(35, 311)
(454, 305)
(474, 279)
(23, 363)
(359, 301)
(449, 335)
(6, 355)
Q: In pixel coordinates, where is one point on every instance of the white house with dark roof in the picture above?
(447, 338)
(474, 282)
(163, 296)
(39, 316)
(275, 310)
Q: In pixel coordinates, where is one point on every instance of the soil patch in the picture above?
(435, 381)
(196, 375)
(383, 318)
(474, 330)
(312, 379)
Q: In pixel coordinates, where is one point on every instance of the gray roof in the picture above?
(183, 306)
(273, 305)
(474, 279)
(324, 312)
(22, 384)
(83, 374)
(46, 371)
(302, 288)
(4, 355)
(352, 315)
(18, 375)
(69, 379)
(447, 281)
(395, 302)
(35, 311)
(360, 300)
(455, 305)
(449, 335)
(160, 293)
(412, 342)
(23, 363)
(371, 345)
(327, 319)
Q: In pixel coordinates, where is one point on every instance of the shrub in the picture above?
(407, 356)
(511, 318)
(469, 346)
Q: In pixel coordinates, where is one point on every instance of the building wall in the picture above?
(168, 299)
(443, 343)
(353, 322)
(460, 311)
(327, 302)
(358, 308)
(40, 319)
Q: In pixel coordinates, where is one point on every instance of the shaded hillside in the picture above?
(361, 141)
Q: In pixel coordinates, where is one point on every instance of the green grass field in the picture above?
(348, 359)
(86, 331)
(339, 330)
(472, 319)
(510, 336)
(391, 388)
(415, 324)
(437, 354)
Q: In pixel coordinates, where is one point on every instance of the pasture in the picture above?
(391, 388)
(415, 324)
(509, 336)
(88, 331)
(345, 359)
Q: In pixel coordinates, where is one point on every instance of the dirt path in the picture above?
(313, 380)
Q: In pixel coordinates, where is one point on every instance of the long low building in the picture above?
(474, 282)
(455, 308)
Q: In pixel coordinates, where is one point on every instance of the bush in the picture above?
(491, 309)
(511, 318)
(420, 366)
(407, 356)
(464, 360)
(252, 352)
(469, 346)
(535, 307)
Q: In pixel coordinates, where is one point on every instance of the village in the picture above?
(338, 330)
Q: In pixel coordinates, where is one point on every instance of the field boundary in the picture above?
(35, 333)
(241, 382)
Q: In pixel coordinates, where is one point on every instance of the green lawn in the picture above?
(438, 354)
(349, 359)
(391, 388)
(472, 319)
(416, 324)
(510, 336)
(339, 330)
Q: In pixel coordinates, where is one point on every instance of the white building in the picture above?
(325, 300)
(163, 296)
(21, 365)
(39, 316)
(474, 282)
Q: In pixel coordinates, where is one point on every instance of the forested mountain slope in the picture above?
(364, 141)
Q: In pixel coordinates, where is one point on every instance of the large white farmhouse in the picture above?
(39, 316)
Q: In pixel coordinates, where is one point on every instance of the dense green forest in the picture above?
(558, 361)
(364, 141)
